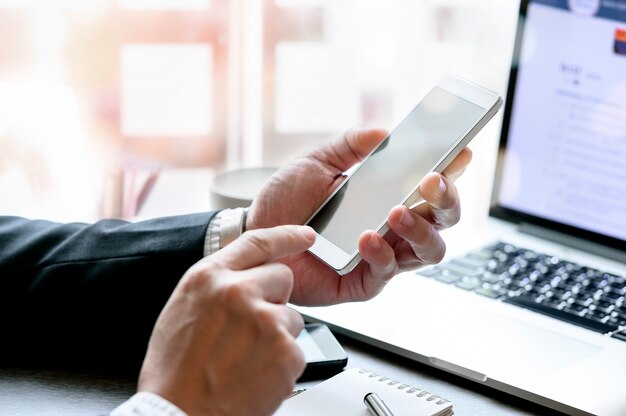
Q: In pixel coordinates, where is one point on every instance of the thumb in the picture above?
(261, 246)
(351, 148)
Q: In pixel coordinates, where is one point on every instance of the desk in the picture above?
(47, 393)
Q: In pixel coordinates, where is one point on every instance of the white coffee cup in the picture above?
(237, 188)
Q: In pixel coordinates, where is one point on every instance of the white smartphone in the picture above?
(427, 140)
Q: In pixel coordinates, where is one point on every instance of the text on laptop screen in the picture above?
(565, 159)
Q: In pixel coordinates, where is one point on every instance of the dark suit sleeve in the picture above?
(79, 294)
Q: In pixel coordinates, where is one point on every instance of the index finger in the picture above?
(258, 247)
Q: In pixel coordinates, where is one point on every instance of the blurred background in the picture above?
(127, 108)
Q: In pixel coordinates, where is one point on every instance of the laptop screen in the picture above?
(563, 149)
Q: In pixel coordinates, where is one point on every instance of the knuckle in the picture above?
(454, 213)
(436, 253)
(233, 294)
(449, 216)
(266, 319)
(422, 239)
(198, 277)
(285, 344)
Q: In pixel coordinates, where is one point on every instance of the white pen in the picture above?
(376, 406)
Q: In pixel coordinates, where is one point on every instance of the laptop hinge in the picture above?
(572, 241)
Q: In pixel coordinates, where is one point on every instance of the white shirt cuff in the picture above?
(212, 238)
(147, 404)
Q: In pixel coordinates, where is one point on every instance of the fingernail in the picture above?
(307, 232)
(407, 220)
(442, 185)
(373, 242)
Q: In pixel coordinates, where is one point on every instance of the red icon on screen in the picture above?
(620, 41)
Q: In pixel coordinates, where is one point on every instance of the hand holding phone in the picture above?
(300, 187)
(428, 139)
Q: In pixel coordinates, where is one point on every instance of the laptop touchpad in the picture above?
(499, 345)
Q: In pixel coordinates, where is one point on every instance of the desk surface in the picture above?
(46, 393)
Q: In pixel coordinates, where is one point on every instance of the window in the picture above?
(97, 93)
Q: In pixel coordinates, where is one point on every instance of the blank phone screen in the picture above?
(410, 152)
(312, 351)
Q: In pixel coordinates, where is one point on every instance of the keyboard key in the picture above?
(577, 305)
(576, 309)
(603, 304)
(583, 300)
(566, 295)
(585, 296)
(508, 248)
(618, 318)
(470, 262)
(428, 271)
(563, 315)
(489, 277)
(543, 289)
(596, 314)
(489, 292)
(558, 292)
(620, 335)
(554, 303)
(468, 283)
(522, 281)
(461, 269)
(485, 254)
(446, 276)
(617, 321)
(612, 296)
(532, 292)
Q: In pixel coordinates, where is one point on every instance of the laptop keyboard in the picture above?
(545, 284)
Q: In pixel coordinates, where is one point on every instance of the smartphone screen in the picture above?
(323, 353)
(312, 351)
(410, 152)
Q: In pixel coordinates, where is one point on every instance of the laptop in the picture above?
(533, 304)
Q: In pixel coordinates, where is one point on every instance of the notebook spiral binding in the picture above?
(406, 388)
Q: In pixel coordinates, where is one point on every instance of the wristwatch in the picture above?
(232, 225)
(225, 227)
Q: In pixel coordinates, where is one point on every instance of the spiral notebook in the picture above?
(343, 394)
